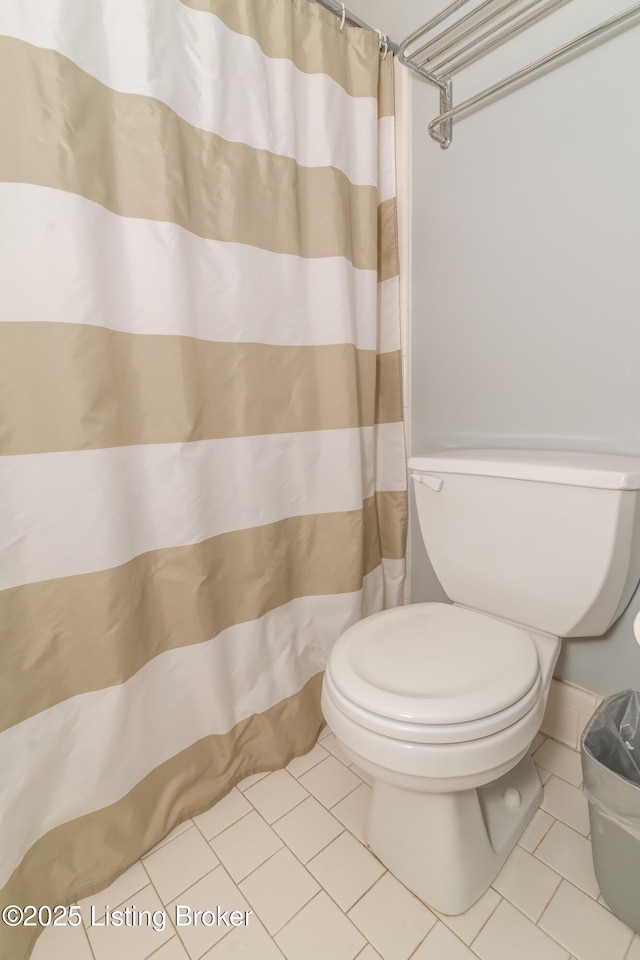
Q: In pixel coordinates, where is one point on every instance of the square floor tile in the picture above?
(584, 927)
(320, 932)
(569, 853)
(509, 934)
(353, 810)
(331, 744)
(369, 954)
(254, 778)
(172, 950)
(222, 814)
(392, 919)
(467, 925)
(308, 828)
(245, 943)
(170, 836)
(275, 795)
(278, 889)
(300, 765)
(213, 891)
(330, 781)
(128, 883)
(140, 940)
(567, 803)
(346, 870)
(178, 864)
(62, 943)
(558, 759)
(442, 944)
(245, 845)
(538, 826)
(527, 883)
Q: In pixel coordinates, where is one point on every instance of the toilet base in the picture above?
(448, 847)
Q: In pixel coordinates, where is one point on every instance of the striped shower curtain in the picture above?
(202, 476)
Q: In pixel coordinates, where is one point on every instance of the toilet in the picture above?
(439, 703)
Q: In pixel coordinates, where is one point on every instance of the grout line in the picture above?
(322, 849)
(427, 935)
(626, 956)
(150, 956)
(293, 915)
(180, 892)
(228, 932)
(367, 944)
(551, 936)
(295, 779)
(153, 887)
(263, 864)
(313, 765)
(86, 936)
(167, 843)
(473, 940)
(365, 892)
(284, 845)
(215, 835)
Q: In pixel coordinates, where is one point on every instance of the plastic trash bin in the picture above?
(610, 751)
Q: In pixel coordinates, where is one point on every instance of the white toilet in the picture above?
(439, 703)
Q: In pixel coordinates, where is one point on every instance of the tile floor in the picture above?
(288, 846)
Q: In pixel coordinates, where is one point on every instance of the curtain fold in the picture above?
(202, 472)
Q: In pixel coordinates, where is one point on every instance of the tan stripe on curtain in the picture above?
(132, 613)
(46, 403)
(170, 164)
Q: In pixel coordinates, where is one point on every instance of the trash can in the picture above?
(610, 751)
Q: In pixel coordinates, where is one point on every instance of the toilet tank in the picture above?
(546, 538)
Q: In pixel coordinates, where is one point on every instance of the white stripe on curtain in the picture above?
(155, 277)
(75, 512)
(386, 159)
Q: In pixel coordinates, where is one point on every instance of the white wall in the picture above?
(526, 267)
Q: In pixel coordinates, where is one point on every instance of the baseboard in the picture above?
(569, 708)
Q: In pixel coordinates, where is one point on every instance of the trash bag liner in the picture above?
(611, 745)
(610, 751)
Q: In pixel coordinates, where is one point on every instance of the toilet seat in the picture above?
(434, 673)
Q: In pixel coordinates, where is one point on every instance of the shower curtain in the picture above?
(202, 475)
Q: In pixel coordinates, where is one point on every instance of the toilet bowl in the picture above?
(439, 703)
(429, 738)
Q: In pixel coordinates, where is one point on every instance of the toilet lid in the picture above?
(434, 663)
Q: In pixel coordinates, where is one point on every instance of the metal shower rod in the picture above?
(442, 55)
(340, 8)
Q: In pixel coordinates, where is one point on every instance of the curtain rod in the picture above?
(336, 7)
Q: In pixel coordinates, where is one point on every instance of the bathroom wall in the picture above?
(526, 268)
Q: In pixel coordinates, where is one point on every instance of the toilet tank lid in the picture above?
(599, 470)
